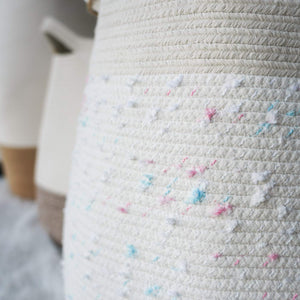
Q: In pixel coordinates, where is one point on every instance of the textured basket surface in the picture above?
(185, 180)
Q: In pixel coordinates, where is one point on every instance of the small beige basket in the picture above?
(18, 166)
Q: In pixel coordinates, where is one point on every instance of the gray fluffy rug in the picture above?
(30, 264)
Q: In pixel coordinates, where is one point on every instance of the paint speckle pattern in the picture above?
(247, 195)
(184, 185)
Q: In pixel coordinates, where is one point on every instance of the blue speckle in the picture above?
(146, 183)
(272, 106)
(168, 188)
(290, 132)
(84, 122)
(226, 198)
(131, 251)
(167, 192)
(262, 127)
(156, 259)
(197, 196)
(291, 113)
(149, 176)
(153, 291)
(174, 180)
(89, 207)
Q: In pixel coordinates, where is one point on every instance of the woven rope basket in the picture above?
(185, 179)
(51, 207)
(19, 170)
(58, 126)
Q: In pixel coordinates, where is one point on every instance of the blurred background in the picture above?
(44, 57)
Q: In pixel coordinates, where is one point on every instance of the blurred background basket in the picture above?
(25, 60)
(58, 127)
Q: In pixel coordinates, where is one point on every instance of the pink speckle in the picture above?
(176, 165)
(240, 116)
(180, 165)
(146, 91)
(210, 112)
(265, 295)
(202, 169)
(213, 162)
(273, 256)
(237, 262)
(150, 162)
(166, 200)
(221, 209)
(168, 92)
(191, 173)
(217, 255)
(123, 210)
(186, 210)
(183, 161)
(295, 296)
(193, 92)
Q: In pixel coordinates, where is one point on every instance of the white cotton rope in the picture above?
(185, 178)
